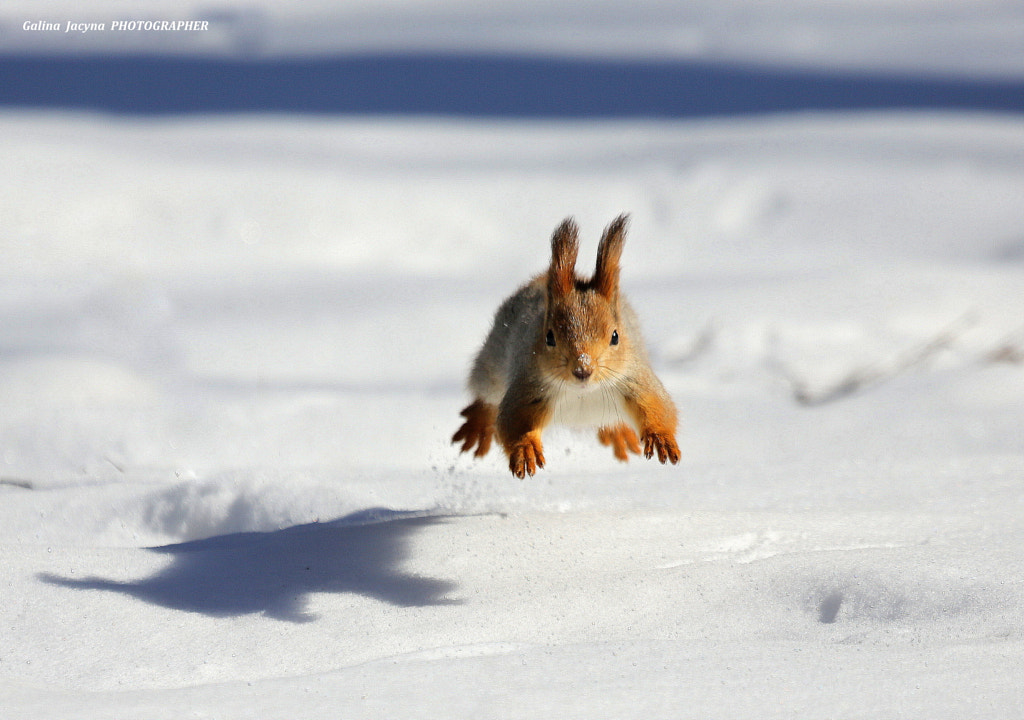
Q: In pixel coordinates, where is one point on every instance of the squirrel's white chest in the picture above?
(596, 407)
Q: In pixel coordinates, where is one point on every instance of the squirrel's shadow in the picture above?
(273, 572)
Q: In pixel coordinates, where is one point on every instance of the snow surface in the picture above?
(232, 354)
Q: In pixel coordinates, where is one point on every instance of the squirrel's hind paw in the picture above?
(478, 430)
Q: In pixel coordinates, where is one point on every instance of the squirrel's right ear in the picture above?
(565, 245)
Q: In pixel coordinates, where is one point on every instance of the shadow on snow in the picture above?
(273, 572)
(475, 85)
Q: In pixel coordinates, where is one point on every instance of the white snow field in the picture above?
(232, 355)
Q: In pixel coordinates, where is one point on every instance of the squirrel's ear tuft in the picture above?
(606, 275)
(565, 245)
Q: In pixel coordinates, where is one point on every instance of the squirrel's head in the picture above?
(583, 341)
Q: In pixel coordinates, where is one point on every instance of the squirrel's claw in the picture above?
(663, 444)
(525, 456)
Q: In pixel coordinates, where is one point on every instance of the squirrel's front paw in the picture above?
(478, 428)
(525, 456)
(662, 443)
(622, 440)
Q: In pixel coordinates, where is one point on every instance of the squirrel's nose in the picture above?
(582, 372)
(583, 368)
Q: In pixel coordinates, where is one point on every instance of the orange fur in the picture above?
(478, 428)
(609, 252)
(522, 416)
(657, 421)
(565, 246)
(525, 455)
(568, 349)
(622, 440)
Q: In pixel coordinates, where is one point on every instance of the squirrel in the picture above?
(567, 349)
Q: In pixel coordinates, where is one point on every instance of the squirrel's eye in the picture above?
(615, 337)
(551, 338)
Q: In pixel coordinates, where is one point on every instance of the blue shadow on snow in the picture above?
(273, 572)
(473, 85)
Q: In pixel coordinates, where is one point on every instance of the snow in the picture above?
(233, 351)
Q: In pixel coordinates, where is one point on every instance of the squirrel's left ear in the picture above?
(606, 275)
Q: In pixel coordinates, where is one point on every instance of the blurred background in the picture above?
(651, 59)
